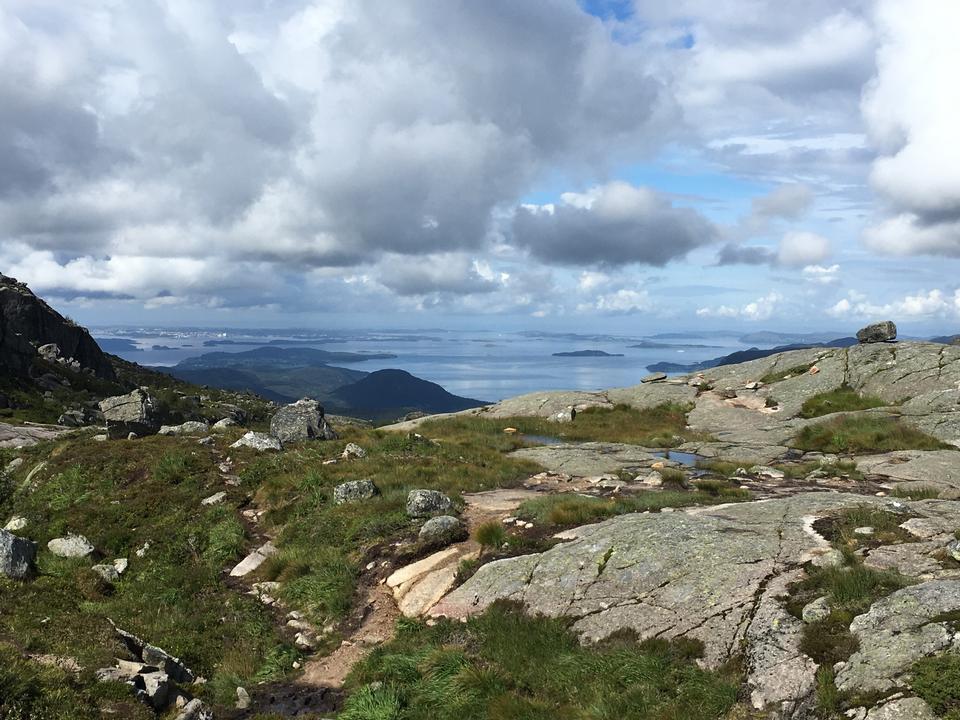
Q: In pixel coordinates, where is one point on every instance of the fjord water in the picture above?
(483, 365)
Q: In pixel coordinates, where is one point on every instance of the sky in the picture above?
(626, 166)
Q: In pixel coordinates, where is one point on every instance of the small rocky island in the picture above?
(586, 353)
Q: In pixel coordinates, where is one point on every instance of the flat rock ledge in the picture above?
(719, 575)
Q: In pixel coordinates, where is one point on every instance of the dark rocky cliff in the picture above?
(27, 322)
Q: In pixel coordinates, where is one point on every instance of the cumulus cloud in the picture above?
(612, 224)
(820, 275)
(300, 134)
(924, 304)
(762, 308)
(911, 111)
(796, 250)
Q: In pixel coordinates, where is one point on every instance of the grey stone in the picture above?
(195, 710)
(191, 427)
(443, 529)
(136, 412)
(902, 709)
(302, 420)
(71, 546)
(424, 503)
(819, 609)
(258, 441)
(254, 560)
(354, 491)
(17, 555)
(243, 699)
(352, 450)
(225, 424)
(653, 377)
(107, 572)
(49, 352)
(953, 549)
(589, 458)
(214, 499)
(878, 332)
(897, 631)
(567, 415)
(153, 688)
(155, 657)
(16, 523)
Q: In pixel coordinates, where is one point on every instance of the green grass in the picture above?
(842, 399)
(937, 680)
(916, 492)
(776, 375)
(886, 526)
(570, 509)
(491, 535)
(121, 495)
(862, 434)
(661, 426)
(504, 665)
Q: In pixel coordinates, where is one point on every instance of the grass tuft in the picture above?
(842, 399)
(863, 434)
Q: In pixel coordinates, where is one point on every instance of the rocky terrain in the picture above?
(772, 539)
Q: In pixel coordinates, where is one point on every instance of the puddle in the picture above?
(684, 458)
(543, 440)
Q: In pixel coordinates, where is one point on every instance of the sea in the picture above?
(486, 366)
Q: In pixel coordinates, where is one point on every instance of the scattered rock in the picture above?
(354, 491)
(107, 572)
(424, 503)
(121, 565)
(71, 546)
(154, 657)
(902, 709)
(352, 450)
(17, 555)
(191, 427)
(865, 530)
(442, 530)
(153, 688)
(137, 412)
(214, 499)
(195, 710)
(254, 560)
(243, 699)
(879, 332)
(566, 415)
(302, 420)
(953, 549)
(12, 466)
(816, 610)
(225, 424)
(207, 441)
(258, 441)
(16, 523)
(764, 472)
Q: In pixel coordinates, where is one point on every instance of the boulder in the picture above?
(258, 441)
(879, 332)
(16, 523)
(71, 546)
(137, 412)
(191, 427)
(564, 416)
(16, 555)
(195, 710)
(214, 499)
(302, 420)
(107, 572)
(153, 688)
(154, 657)
(352, 450)
(354, 491)
(225, 424)
(442, 530)
(424, 503)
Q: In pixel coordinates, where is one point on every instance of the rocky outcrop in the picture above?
(424, 503)
(720, 575)
(28, 323)
(302, 420)
(70, 546)
(137, 413)
(258, 441)
(16, 555)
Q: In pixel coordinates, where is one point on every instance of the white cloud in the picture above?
(798, 249)
(622, 302)
(820, 275)
(762, 308)
(924, 304)
(911, 109)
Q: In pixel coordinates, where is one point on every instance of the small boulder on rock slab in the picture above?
(302, 420)
(16, 555)
(654, 377)
(258, 441)
(71, 546)
(354, 491)
(424, 503)
(879, 332)
(442, 530)
(136, 412)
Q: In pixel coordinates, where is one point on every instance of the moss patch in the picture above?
(864, 434)
(843, 399)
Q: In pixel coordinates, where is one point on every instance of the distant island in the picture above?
(587, 353)
(654, 345)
